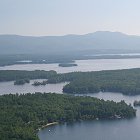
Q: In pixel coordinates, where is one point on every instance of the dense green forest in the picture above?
(10, 75)
(124, 81)
(22, 115)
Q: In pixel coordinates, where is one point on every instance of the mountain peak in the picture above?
(106, 33)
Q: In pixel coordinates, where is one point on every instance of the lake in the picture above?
(83, 65)
(127, 129)
(85, 130)
(9, 87)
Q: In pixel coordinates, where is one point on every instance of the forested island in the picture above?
(67, 65)
(37, 83)
(124, 81)
(136, 103)
(21, 81)
(22, 115)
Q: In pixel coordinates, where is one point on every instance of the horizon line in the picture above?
(10, 34)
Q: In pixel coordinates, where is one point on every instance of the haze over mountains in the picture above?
(101, 40)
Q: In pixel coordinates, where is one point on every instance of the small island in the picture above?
(67, 65)
(136, 103)
(21, 81)
(37, 83)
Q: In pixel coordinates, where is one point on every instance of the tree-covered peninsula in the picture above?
(124, 81)
(22, 115)
(14, 75)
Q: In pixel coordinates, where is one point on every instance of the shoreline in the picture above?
(47, 125)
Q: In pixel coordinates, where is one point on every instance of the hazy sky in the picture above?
(59, 17)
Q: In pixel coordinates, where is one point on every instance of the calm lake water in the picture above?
(83, 65)
(87, 130)
(9, 87)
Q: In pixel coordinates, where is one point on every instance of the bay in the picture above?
(83, 65)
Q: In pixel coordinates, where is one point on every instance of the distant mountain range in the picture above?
(101, 40)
